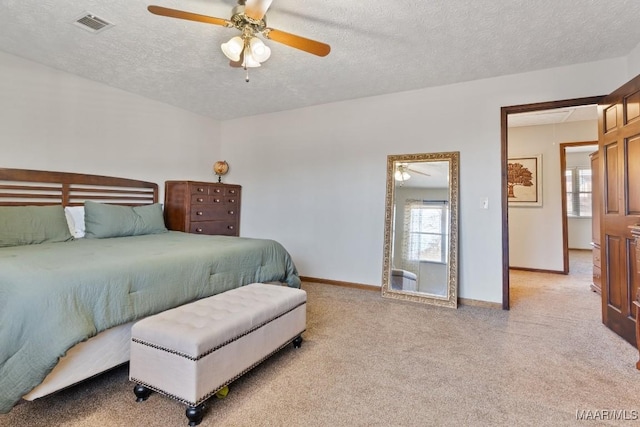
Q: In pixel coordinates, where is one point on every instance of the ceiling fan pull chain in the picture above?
(246, 79)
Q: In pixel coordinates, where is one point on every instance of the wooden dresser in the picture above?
(202, 207)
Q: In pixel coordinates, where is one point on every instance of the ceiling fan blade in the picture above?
(418, 172)
(180, 14)
(255, 9)
(308, 45)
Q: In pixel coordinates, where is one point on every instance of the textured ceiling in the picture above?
(554, 116)
(378, 46)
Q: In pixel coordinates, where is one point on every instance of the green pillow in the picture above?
(28, 225)
(103, 220)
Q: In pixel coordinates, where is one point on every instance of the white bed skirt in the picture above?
(104, 351)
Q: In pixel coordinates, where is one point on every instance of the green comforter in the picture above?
(54, 295)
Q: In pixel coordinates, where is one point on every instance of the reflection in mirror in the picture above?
(421, 228)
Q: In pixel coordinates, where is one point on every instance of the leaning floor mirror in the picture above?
(421, 228)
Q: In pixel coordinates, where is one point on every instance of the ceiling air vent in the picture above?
(92, 23)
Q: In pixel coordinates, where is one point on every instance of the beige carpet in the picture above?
(368, 361)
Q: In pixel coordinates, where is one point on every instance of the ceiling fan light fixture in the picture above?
(249, 61)
(401, 175)
(259, 50)
(233, 48)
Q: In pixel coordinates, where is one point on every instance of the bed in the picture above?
(67, 304)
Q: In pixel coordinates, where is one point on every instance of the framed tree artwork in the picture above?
(524, 181)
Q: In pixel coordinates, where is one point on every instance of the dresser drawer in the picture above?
(596, 257)
(597, 277)
(201, 199)
(213, 190)
(228, 228)
(204, 189)
(211, 212)
(230, 200)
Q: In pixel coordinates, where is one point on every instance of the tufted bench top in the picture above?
(197, 328)
(403, 273)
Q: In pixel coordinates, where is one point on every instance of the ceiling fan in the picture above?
(402, 172)
(247, 50)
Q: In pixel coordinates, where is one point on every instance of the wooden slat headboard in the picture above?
(19, 187)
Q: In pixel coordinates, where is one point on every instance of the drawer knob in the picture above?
(231, 212)
(217, 190)
(198, 230)
(232, 200)
(217, 200)
(200, 199)
(199, 213)
(232, 191)
(230, 227)
(200, 190)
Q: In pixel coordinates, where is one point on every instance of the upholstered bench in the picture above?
(403, 280)
(191, 352)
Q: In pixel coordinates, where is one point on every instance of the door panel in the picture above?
(633, 175)
(634, 277)
(611, 118)
(614, 291)
(619, 146)
(611, 176)
(632, 107)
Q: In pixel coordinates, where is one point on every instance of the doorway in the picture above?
(577, 183)
(505, 112)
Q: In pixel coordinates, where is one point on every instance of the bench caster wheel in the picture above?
(142, 393)
(297, 342)
(194, 414)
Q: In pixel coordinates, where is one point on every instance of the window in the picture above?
(427, 230)
(578, 186)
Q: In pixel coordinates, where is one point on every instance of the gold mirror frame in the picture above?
(450, 300)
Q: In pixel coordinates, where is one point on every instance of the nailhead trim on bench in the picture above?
(230, 380)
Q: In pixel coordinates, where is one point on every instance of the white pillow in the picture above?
(75, 220)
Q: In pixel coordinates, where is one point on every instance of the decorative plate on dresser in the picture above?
(202, 207)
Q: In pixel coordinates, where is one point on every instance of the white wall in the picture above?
(53, 120)
(314, 178)
(633, 62)
(535, 233)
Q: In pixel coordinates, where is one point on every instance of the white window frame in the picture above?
(410, 207)
(573, 211)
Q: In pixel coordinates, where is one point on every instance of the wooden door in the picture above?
(619, 149)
